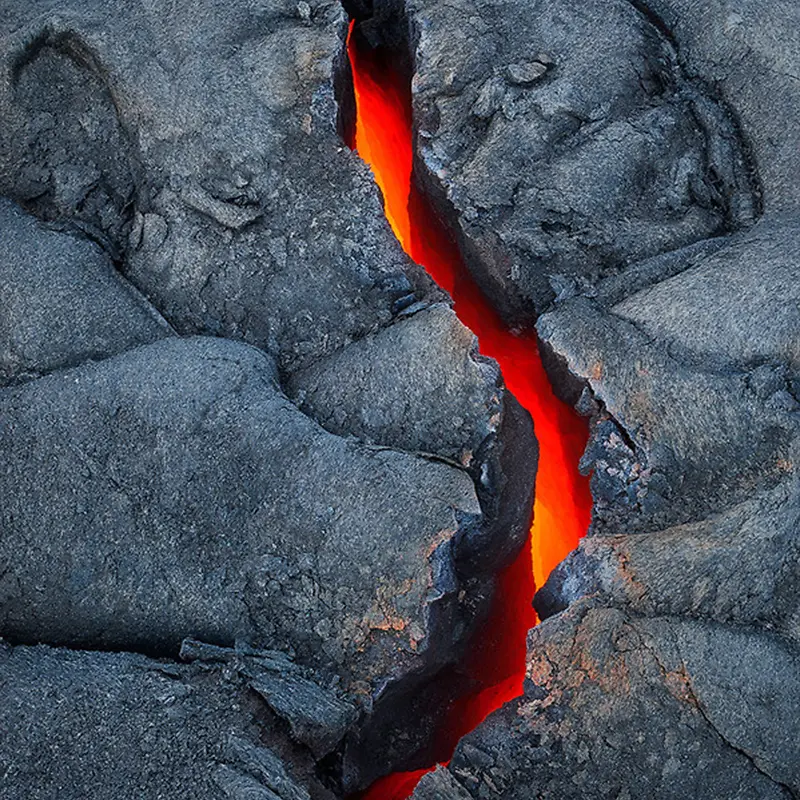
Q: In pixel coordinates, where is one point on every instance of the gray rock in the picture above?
(191, 498)
(174, 491)
(201, 148)
(440, 785)
(317, 717)
(108, 725)
(421, 386)
(525, 72)
(739, 566)
(741, 304)
(620, 706)
(670, 441)
(603, 150)
(606, 155)
(418, 385)
(62, 301)
(749, 50)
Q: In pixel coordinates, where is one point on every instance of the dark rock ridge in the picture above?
(195, 498)
(189, 241)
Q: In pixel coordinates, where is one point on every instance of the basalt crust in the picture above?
(257, 482)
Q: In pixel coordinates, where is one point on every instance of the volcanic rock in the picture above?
(421, 386)
(418, 385)
(619, 705)
(171, 489)
(672, 440)
(738, 566)
(201, 148)
(63, 301)
(668, 655)
(749, 50)
(261, 447)
(194, 498)
(123, 724)
(602, 155)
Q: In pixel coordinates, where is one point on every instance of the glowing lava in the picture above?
(383, 139)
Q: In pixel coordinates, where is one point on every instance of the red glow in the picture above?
(561, 513)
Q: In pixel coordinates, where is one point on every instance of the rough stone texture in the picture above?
(737, 307)
(749, 50)
(80, 725)
(566, 140)
(62, 301)
(418, 385)
(198, 143)
(610, 156)
(739, 566)
(667, 664)
(421, 386)
(194, 498)
(619, 705)
(172, 489)
(670, 441)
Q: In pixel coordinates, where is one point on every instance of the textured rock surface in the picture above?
(749, 50)
(62, 301)
(670, 655)
(738, 566)
(418, 385)
(124, 725)
(671, 439)
(195, 499)
(172, 489)
(421, 386)
(567, 140)
(198, 142)
(635, 164)
(623, 706)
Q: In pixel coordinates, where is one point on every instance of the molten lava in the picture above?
(383, 139)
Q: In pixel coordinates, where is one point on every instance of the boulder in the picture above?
(565, 140)
(173, 490)
(617, 705)
(201, 147)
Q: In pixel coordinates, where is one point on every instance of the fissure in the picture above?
(383, 137)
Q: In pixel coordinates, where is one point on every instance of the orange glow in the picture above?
(561, 512)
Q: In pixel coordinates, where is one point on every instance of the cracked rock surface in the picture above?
(625, 171)
(568, 141)
(127, 725)
(620, 705)
(186, 242)
(256, 482)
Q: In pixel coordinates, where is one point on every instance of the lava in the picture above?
(562, 506)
